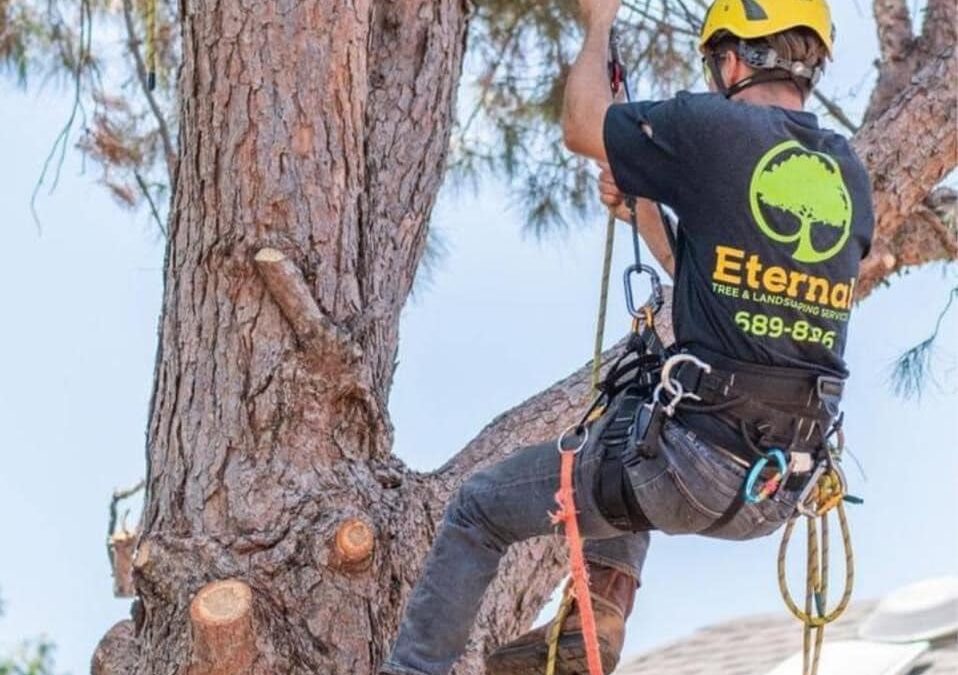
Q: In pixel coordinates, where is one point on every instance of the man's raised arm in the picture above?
(587, 93)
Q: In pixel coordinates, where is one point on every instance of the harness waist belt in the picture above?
(756, 407)
(795, 390)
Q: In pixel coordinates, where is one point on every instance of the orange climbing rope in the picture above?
(567, 516)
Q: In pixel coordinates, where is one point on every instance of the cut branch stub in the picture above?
(122, 548)
(313, 329)
(221, 615)
(117, 652)
(355, 540)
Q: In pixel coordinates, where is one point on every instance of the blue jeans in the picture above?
(683, 491)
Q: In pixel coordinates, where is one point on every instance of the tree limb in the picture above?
(133, 43)
(908, 151)
(895, 33)
(836, 111)
(939, 29)
(224, 639)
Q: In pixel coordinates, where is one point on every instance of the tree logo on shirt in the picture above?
(799, 197)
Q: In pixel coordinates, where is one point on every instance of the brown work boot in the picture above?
(613, 593)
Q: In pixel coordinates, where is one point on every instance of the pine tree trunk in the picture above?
(309, 164)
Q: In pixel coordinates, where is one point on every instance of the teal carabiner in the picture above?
(769, 487)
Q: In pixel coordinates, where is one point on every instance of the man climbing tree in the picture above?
(298, 149)
(751, 177)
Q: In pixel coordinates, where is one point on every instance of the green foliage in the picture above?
(126, 133)
(519, 56)
(913, 370)
(520, 53)
(30, 658)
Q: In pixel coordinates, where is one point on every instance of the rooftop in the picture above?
(756, 645)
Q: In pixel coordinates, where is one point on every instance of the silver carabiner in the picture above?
(800, 505)
(677, 398)
(675, 360)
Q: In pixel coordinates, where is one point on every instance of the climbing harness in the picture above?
(805, 464)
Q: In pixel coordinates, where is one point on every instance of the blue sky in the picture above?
(78, 337)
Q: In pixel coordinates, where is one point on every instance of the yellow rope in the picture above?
(556, 629)
(603, 303)
(826, 498)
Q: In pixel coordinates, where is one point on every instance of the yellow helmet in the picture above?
(750, 19)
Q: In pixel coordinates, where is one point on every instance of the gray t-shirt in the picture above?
(775, 215)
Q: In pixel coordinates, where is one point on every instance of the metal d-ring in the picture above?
(575, 430)
(668, 382)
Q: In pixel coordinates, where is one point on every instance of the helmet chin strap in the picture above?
(777, 74)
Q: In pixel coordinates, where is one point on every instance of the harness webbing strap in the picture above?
(669, 232)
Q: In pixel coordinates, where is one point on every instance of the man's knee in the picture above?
(467, 506)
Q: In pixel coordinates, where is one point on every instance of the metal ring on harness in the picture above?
(769, 487)
(826, 471)
(677, 397)
(575, 429)
(671, 363)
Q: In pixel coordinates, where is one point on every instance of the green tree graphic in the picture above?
(805, 186)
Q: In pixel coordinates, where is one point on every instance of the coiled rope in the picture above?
(828, 496)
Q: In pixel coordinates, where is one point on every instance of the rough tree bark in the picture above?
(312, 143)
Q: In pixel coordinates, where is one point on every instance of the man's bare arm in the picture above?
(587, 93)
(587, 99)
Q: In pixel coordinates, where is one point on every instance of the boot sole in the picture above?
(525, 661)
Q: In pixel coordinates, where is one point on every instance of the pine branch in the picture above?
(913, 368)
(836, 111)
(133, 43)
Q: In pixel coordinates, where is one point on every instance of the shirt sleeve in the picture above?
(643, 142)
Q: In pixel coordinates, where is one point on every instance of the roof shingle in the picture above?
(756, 644)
